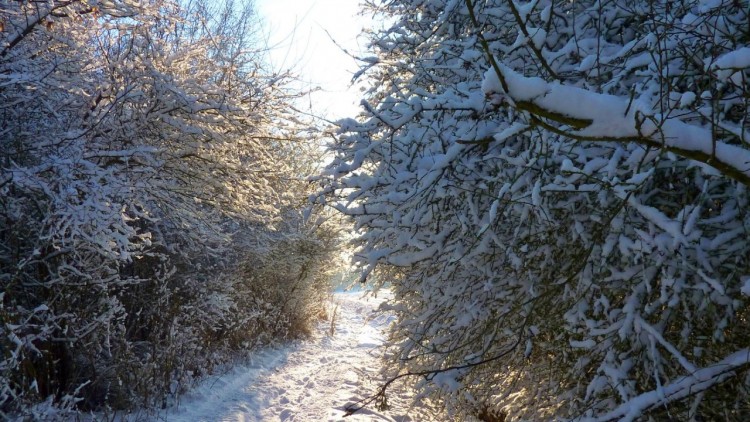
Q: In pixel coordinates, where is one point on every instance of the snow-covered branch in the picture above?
(151, 220)
(576, 172)
(681, 388)
(607, 118)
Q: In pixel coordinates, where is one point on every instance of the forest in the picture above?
(555, 192)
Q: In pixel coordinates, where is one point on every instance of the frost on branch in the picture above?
(150, 227)
(558, 192)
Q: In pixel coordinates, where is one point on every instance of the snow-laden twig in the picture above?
(686, 386)
(608, 118)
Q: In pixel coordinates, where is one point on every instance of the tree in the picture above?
(558, 193)
(145, 164)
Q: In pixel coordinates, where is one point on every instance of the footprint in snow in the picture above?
(286, 415)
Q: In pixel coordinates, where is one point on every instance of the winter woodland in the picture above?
(555, 193)
(151, 203)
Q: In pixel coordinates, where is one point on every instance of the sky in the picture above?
(296, 31)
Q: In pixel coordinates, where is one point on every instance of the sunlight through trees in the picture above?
(152, 190)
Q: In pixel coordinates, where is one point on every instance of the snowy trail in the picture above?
(310, 381)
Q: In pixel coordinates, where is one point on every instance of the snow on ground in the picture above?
(312, 380)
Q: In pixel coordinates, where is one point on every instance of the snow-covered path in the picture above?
(311, 381)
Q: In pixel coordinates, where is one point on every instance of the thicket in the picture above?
(557, 192)
(151, 198)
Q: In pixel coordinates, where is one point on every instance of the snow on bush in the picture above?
(558, 192)
(141, 167)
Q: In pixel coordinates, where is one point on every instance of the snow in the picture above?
(696, 382)
(572, 172)
(708, 5)
(738, 59)
(686, 99)
(727, 66)
(611, 117)
(745, 289)
(311, 380)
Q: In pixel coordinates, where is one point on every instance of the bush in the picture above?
(149, 212)
(561, 189)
